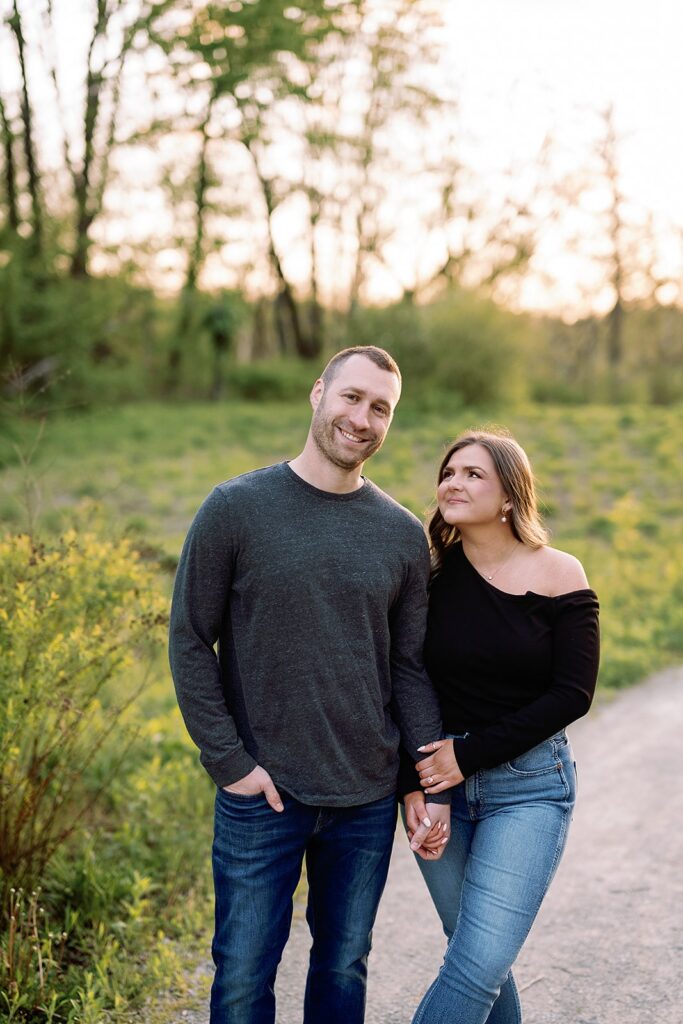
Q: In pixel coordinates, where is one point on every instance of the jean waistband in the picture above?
(560, 735)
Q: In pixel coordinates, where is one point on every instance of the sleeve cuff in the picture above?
(465, 757)
(230, 768)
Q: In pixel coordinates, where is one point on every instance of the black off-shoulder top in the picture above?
(510, 669)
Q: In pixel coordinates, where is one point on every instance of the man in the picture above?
(313, 583)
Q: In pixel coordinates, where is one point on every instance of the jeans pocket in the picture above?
(540, 760)
(560, 739)
(241, 798)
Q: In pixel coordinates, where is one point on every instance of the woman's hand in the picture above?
(427, 826)
(440, 769)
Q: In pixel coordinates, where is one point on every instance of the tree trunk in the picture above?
(315, 317)
(8, 316)
(217, 374)
(84, 213)
(187, 298)
(615, 319)
(286, 306)
(10, 169)
(29, 145)
(50, 50)
(259, 331)
(615, 328)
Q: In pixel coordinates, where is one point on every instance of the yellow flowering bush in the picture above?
(74, 613)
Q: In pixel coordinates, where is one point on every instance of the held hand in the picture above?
(257, 781)
(440, 769)
(436, 842)
(427, 826)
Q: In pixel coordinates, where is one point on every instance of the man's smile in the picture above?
(353, 437)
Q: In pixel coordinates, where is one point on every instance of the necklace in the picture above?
(502, 565)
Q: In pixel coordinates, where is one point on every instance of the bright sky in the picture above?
(526, 68)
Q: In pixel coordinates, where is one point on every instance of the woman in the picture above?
(512, 647)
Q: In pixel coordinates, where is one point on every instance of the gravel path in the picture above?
(606, 946)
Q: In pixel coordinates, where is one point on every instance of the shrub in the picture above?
(272, 381)
(477, 349)
(462, 345)
(72, 615)
(72, 342)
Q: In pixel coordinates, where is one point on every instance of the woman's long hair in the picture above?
(515, 474)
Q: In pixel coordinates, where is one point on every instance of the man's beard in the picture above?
(324, 433)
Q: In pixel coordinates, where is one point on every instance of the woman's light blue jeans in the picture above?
(509, 828)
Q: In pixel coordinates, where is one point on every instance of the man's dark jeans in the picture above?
(257, 858)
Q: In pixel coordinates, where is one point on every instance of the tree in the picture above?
(222, 321)
(397, 45)
(89, 175)
(15, 23)
(8, 144)
(615, 256)
(247, 48)
(619, 241)
(119, 27)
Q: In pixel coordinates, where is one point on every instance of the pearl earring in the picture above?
(503, 518)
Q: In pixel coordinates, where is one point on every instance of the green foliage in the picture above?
(281, 381)
(399, 329)
(261, 35)
(72, 615)
(32, 958)
(101, 340)
(571, 360)
(85, 973)
(76, 341)
(461, 346)
(477, 349)
(95, 773)
(642, 599)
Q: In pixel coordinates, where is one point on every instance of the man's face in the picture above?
(351, 415)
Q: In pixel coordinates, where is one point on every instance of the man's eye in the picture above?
(380, 410)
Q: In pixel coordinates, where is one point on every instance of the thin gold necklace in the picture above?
(500, 567)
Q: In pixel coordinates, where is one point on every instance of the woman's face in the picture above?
(470, 492)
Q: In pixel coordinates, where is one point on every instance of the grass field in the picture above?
(609, 480)
(130, 889)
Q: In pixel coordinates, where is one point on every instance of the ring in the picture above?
(429, 780)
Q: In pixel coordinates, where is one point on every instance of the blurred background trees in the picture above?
(307, 160)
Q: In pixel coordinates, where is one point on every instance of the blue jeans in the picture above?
(257, 859)
(509, 827)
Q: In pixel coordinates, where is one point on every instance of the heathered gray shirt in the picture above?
(318, 604)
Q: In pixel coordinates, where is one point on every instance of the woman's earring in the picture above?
(503, 518)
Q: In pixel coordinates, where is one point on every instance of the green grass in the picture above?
(608, 477)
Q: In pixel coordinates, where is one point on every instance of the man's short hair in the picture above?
(376, 355)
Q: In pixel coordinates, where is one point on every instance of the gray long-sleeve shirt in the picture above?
(318, 603)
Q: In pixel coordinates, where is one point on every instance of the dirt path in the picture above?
(606, 948)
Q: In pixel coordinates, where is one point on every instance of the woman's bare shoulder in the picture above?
(562, 572)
